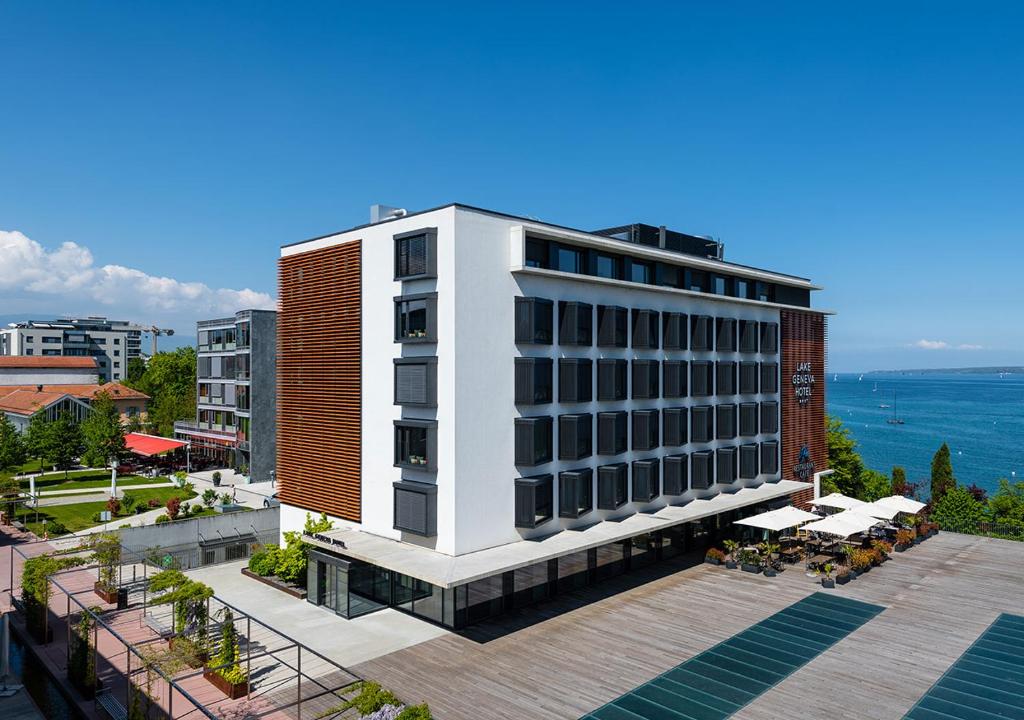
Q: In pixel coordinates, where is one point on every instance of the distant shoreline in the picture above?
(995, 370)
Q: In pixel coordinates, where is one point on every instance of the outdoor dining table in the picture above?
(817, 560)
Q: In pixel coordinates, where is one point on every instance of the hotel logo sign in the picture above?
(803, 383)
(804, 468)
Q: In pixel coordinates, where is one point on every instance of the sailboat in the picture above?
(860, 378)
(895, 419)
(875, 388)
(835, 377)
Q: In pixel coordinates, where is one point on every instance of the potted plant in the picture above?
(904, 539)
(731, 546)
(188, 599)
(826, 580)
(843, 575)
(106, 553)
(227, 673)
(82, 664)
(216, 478)
(749, 561)
(770, 564)
(714, 556)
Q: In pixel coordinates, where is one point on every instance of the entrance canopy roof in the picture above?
(902, 504)
(150, 445)
(837, 500)
(780, 519)
(447, 571)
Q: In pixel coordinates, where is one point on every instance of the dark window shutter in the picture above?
(611, 379)
(769, 338)
(415, 507)
(726, 422)
(533, 440)
(611, 433)
(645, 379)
(575, 493)
(748, 378)
(748, 336)
(575, 436)
(748, 461)
(534, 320)
(769, 417)
(575, 323)
(701, 471)
(612, 481)
(674, 426)
(770, 457)
(613, 326)
(725, 461)
(675, 378)
(748, 419)
(674, 336)
(701, 380)
(702, 424)
(645, 429)
(411, 384)
(533, 381)
(700, 337)
(645, 329)
(726, 335)
(646, 480)
(769, 378)
(533, 502)
(674, 474)
(726, 380)
(575, 380)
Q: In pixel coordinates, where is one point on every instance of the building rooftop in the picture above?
(47, 361)
(27, 399)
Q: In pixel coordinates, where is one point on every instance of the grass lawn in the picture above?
(79, 515)
(90, 479)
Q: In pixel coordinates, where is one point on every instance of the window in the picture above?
(31, 339)
(533, 381)
(645, 379)
(702, 424)
(533, 440)
(575, 436)
(700, 332)
(612, 486)
(742, 288)
(673, 424)
(770, 457)
(674, 474)
(536, 253)
(568, 259)
(769, 338)
(575, 380)
(416, 381)
(769, 378)
(50, 340)
(117, 341)
(117, 353)
(701, 469)
(416, 318)
(645, 329)
(725, 382)
(415, 444)
(611, 379)
(748, 419)
(725, 465)
(415, 508)
(534, 320)
(762, 292)
(748, 461)
(534, 500)
(725, 335)
(719, 285)
(575, 323)
(612, 433)
(606, 266)
(701, 384)
(726, 421)
(696, 280)
(769, 417)
(575, 492)
(117, 364)
(748, 336)
(30, 351)
(645, 429)
(674, 330)
(748, 378)
(675, 372)
(646, 480)
(612, 326)
(57, 352)
(640, 271)
(415, 254)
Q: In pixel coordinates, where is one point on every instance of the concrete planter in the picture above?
(843, 579)
(229, 508)
(827, 583)
(770, 572)
(278, 584)
(746, 567)
(709, 561)
(731, 564)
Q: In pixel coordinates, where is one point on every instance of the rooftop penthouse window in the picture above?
(603, 263)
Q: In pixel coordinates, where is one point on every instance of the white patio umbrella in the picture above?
(843, 524)
(902, 504)
(838, 500)
(780, 519)
(878, 509)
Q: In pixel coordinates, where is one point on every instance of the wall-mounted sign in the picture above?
(804, 468)
(803, 383)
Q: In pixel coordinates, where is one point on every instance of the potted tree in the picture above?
(216, 478)
(731, 546)
(189, 601)
(714, 556)
(826, 580)
(227, 673)
(749, 561)
(770, 564)
(106, 553)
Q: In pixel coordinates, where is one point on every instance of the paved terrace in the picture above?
(567, 657)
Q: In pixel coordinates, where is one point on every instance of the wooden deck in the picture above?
(568, 656)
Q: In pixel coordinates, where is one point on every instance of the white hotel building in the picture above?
(495, 410)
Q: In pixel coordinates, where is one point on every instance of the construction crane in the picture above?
(154, 332)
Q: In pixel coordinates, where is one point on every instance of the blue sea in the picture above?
(980, 416)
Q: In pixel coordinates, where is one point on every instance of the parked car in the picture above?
(271, 501)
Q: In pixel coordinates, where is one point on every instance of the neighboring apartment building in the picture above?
(236, 368)
(495, 409)
(26, 370)
(21, 402)
(112, 342)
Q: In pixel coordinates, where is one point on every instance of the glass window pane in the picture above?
(568, 260)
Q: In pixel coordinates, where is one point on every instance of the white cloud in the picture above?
(942, 345)
(28, 269)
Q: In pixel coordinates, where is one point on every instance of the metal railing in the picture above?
(1004, 531)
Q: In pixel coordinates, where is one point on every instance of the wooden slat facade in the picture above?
(319, 362)
(803, 336)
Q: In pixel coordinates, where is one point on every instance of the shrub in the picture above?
(195, 509)
(189, 488)
(173, 508)
(904, 537)
(153, 503)
(861, 559)
(209, 497)
(55, 527)
(179, 478)
(715, 554)
(265, 561)
(114, 506)
(96, 518)
(882, 547)
(416, 712)
(371, 698)
(291, 564)
(216, 475)
(225, 499)
(128, 504)
(162, 519)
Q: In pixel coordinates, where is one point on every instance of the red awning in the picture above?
(150, 445)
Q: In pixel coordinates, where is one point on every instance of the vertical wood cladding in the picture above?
(318, 380)
(804, 335)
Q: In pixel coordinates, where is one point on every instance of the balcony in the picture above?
(189, 427)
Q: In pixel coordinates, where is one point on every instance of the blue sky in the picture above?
(877, 148)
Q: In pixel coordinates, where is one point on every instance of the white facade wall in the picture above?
(48, 376)
(476, 352)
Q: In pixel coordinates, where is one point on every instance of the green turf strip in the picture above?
(985, 683)
(726, 677)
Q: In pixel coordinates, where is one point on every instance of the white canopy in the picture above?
(878, 509)
(843, 524)
(780, 519)
(902, 504)
(838, 500)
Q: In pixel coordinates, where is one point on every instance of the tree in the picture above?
(844, 459)
(64, 441)
(37, 438)
(136, 369)
(876, 485)
(103, 433)
(957, 510)
(899, 480)
(942, 473)
(1006, 506)
(12, 449)
(169, 378)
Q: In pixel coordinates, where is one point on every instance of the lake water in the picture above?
(980, 416)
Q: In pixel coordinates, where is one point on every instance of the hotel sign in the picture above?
(803, 383)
